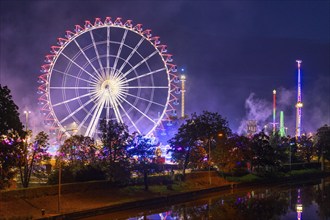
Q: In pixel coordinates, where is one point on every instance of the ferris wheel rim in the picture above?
(73, 38)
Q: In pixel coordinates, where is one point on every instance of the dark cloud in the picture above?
(230, 49)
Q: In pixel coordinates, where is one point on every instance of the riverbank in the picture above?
(94, 197)
(89, 202)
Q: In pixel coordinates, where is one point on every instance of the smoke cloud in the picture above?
(256, 109)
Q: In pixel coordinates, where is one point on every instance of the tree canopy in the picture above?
(323, 141)
(10, 146)
(31, 157)
(142, 154)
(197, 131)
(78, 151)
(9, 117)
(115, 138)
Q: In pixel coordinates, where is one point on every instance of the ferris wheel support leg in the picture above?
(94, 121)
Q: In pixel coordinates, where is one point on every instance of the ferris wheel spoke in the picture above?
(115, 109)
(88, 60)
(140, 111)
(75, 111)
(119, 51)
(70, 87)
(139, 64)
(96, 51)
(129, 118)
(95, 118)
(91, 75)
(130, 55)
(147, 100)
(67, 74)
(73, 99)
(143, 75)
(145, 87)
(108, 48)
(121, 95)
(86, 117)
(107, 115)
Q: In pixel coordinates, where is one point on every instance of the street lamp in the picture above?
(26, 143)
(26, 119)
(220, 135)
(210, 161)
(290, 156)
(60, 170)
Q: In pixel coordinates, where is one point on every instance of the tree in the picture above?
(306, 147)
(268, 152)
(9, 117)
(80, 161)
(263, 154)
(32, 155)
(142, 152)
(322, 142)
(198, 155)
(115, 139)
(199, 130)
(78, 151)
(10, 146)
(278, 150)
(292, 144)
(235, 152)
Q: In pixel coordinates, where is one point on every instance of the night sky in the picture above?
(234, 52)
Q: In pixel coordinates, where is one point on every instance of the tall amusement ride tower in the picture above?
(274, 111)
(183, 90)
(299, 104)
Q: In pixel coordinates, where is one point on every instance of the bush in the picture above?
(88, 173)
(244, 179)
(240, 171)
(300, 166)
(77, 174)
(303, 172)
(67, 176)
(119, 173)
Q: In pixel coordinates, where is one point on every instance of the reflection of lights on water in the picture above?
(299, 211)
(164, 216)
(299, 206)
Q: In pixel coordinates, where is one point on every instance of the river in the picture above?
(305, 200)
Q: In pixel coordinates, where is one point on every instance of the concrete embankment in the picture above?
(82, 200)
(179, 197)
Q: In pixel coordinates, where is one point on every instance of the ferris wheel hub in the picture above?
(110, 88)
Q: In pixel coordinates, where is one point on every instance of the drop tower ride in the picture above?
(299, 104)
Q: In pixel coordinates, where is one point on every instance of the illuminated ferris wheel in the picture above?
(111, 70)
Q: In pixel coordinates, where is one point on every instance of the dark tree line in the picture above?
(206, 140)
(202, 141)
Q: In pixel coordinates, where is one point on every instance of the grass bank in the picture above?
(278, 176)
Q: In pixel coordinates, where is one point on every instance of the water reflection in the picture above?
(303, 201)
(299, 206)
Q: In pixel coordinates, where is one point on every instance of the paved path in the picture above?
(74, 202)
